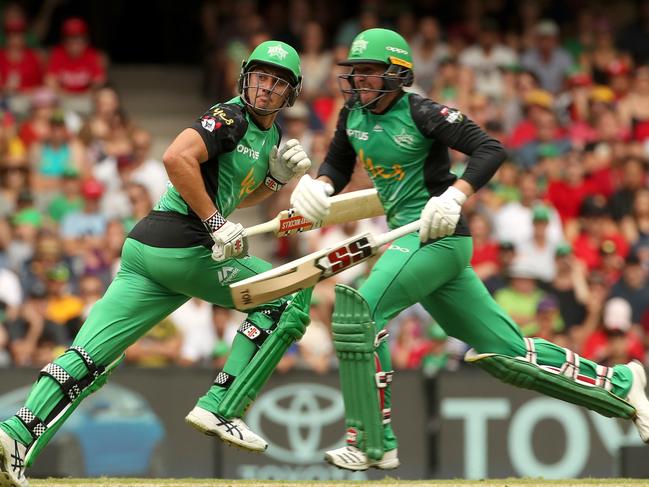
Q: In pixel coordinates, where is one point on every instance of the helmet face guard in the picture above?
(393, 79)
(263, 82)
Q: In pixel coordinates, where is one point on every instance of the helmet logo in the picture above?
(358, 47)
(277, 51)
(397, 50)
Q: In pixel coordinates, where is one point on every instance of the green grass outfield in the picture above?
(111, 482)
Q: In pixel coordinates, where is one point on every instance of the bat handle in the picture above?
(398, 232)
(265, 227)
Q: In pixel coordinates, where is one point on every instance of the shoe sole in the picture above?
(225, 439)
(6, 479)
(639, 373)
(387, 466)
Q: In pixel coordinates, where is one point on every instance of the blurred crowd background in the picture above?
(561, 234)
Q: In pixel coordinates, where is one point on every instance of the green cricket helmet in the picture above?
(277, 54)
(379, 46)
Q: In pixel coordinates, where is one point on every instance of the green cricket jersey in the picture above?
(405, 152)
(238, 151)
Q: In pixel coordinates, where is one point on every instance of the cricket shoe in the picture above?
(351, 458)
(232, 431)
(638, 399)
(12, 462)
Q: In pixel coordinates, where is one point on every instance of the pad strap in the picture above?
(34, 425)
(254, 333)
(93, 369)
(69, 385)
(571, 366)
(223, 379)
(604, 377)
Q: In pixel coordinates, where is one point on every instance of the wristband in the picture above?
(273, 184)
(214, 222)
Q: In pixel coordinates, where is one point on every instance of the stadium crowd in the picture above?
(561, 234)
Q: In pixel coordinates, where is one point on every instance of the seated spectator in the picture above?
(634, 108)
(316, 346)
(635, 226)
(634, 179)
(410, 346)
(48, 253)
(26, 223)
(545, 143)
(91, 289)
(62, 306)
(538, 251)
(485, 249)
(20, 66)
(159, 347)
(36, 127)
(632, 287)
(11, 294)
(615, 341)
(437, 357)
(520, 299)
(315, 59)
(15, 179)
(506, 256)
(89, 221)
(547, 60)
(34, 339)
(74, 66)
(194, 321)
(569, 286)
(568, 193)
(225, 329)
(428, 50)
(547, 324)
(54, 155)
(69, 199)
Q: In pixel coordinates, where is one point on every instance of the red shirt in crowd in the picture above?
(596, 346)
(567, 199)
(485, 253)
(20, 74)
(587, 248)
(76, 75)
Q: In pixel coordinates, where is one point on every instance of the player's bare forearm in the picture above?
(256, 197)
(182, 161)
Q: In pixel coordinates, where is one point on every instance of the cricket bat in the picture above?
(346, 207)
(311, 269)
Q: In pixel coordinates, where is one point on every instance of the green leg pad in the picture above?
(291, 327)
(37, 446)
(522, 373)
(354, 333)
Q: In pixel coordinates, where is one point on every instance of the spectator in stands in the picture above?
(26, 223)
(410, 346)
(194, 321)
(635, 225)
(68, 199)
(539, 251)
(486, 58)
(615, 341)
(428, 51)
(570, 287)
(48, 253)
(547, 60)
(632, 286)
(506, 257)
(14, 180)
(159, 347)
(603, 53)
(20, 66)
(548, 324)
(453, 84)
(225, 329)
(89, 222)
(62, 306)
(634, 108)
(485, 249)
(521, 297)
(74, 66)
(316, 346)
(11, 297)
(550, 140)
(55, 154)
(316, 60)
(634, 178)
(37, 126)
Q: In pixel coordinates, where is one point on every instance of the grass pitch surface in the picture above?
(110, 482)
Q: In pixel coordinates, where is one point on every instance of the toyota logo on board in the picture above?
(305, 410)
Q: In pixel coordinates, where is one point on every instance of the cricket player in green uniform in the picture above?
(402, 140)
(187, 247)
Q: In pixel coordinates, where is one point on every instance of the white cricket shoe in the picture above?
(12, 462)
(232, 431)
(351, 458)
(638, 399)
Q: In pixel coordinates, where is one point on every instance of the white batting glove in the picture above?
(229, 238)
(311, 198)
(285, 164)
(441, 214)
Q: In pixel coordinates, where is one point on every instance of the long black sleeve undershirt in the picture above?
(341, 157)
(454, 130)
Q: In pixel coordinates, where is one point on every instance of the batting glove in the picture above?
(284, 164)
(229, 238)
(311, 198)
(441, 214)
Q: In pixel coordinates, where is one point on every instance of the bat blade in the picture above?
(311, 269)
(302, 273)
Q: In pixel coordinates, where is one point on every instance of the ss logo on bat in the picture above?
(344, 257)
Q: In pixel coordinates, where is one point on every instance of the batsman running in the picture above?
(402, 139)
(187, 247)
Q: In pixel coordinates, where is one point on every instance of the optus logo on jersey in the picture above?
(357, 134)
(247, 151)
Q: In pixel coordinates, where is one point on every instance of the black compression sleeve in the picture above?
(341, 158)
(456, 131)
